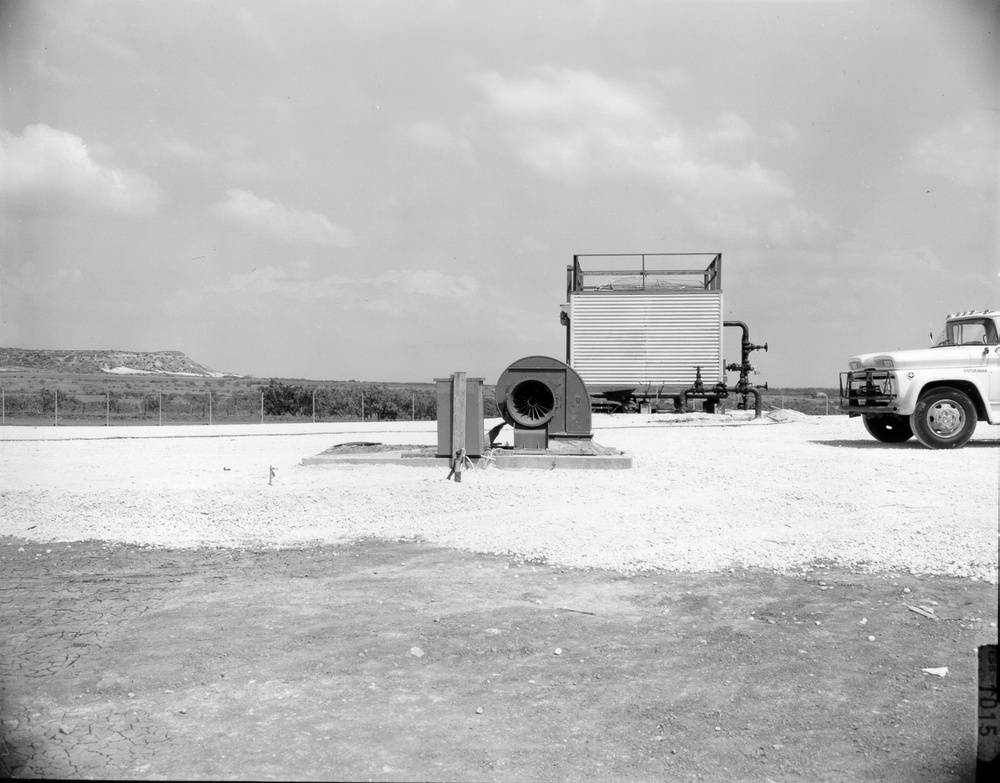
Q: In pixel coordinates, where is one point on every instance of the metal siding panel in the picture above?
(660, 338)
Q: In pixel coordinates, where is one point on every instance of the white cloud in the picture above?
(54, 165)
(579, 128)
(966, 152)
(436, 137)
(430, 283)
(733, 132)
(788, 224)
(394, 294)
(279, 222)
(561, 94)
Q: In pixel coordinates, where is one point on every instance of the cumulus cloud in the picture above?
(578, 127)
(437, 138)
(48, 166)
(430, 283)
(575, 124)
(965, 152)
(279, 222)
(561, 94)
(393, 294)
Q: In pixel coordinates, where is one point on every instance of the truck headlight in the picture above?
(885, 363)
(855, 365)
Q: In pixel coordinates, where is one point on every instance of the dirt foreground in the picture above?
(372, 659)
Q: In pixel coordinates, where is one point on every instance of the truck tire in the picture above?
(888, 427)
(944, 418)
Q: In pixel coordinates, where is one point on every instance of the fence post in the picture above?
(3, 405)
(159, 405)
(362, 405)
(261, 406)
(210, 409)
(314, 405)
(107, 408)
(57, 407)
(413, 406)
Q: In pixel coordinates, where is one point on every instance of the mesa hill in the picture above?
(115, 362)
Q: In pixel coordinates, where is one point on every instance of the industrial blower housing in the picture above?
(543, 398)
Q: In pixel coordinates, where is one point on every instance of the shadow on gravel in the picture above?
(910, 444)
(404, 661)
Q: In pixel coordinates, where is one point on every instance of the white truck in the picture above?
(938, 394)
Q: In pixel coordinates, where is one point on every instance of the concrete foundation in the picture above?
(502, 459)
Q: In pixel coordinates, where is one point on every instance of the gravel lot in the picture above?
(707, 493)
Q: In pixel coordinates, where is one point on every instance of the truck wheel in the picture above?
(944, 419)
(888, 427)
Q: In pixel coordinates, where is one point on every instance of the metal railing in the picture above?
(643, 272)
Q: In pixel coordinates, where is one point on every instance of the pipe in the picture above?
(743, 386)
(564, 320)
(697, 388)
(697, 391)
(743, 326)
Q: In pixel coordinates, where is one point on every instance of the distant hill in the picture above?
(113, 362)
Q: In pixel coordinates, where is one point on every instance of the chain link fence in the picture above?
(270, 404)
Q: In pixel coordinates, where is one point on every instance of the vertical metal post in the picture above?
(57, 407)
(210, 409)
(413, 406)
(458, 408)
(107, 408)
(261, 406)
(362, 405)
(314, 405)
(159, 405)
(3, 406)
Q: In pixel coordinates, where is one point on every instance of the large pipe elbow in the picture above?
(741, 325)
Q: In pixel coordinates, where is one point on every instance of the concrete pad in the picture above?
(407, 458)
(548, 460)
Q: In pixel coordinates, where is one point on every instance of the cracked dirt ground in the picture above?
(403, 661)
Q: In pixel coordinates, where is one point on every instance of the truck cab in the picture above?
(936, 394)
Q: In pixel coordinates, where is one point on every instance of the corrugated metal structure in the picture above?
(645, 319)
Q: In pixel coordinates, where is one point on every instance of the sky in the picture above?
(391, 190)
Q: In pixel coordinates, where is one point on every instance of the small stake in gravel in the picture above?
(270, 477)
(923, 612)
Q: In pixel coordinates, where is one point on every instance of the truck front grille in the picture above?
(863, 389)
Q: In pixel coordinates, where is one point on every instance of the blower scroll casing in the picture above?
(543, 398)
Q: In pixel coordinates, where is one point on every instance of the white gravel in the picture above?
(707, 493)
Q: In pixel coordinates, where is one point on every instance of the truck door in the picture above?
(993, 365)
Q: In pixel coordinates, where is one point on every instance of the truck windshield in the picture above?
(978, 332)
